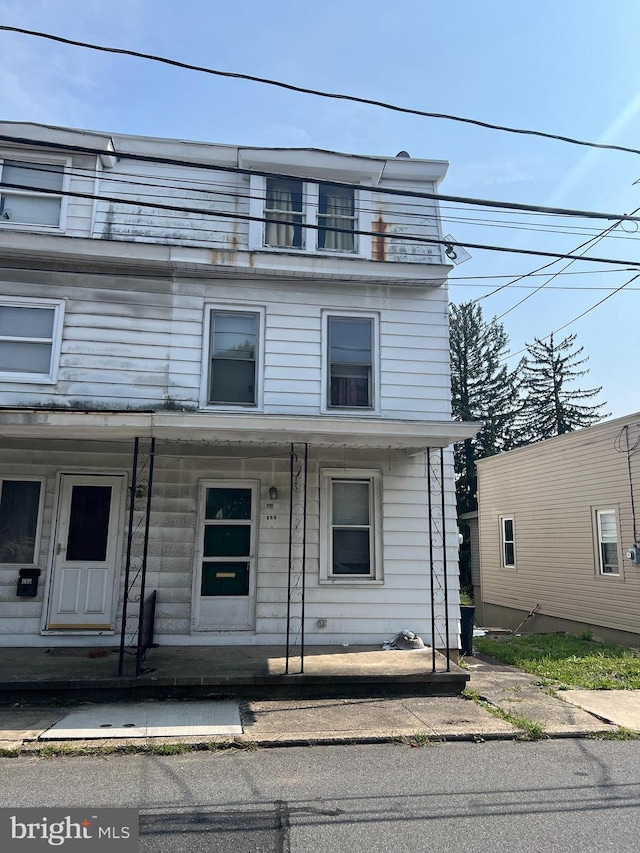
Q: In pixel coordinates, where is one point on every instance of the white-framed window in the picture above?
(608, 541)
(507, 542)
(30, 339)
(351, 526)
(32, 192)
(309, 216)
(21, 500)
(350, 370)
(233, 358)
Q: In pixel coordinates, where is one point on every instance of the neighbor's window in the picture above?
(30, 332)
(608, 541)
(233, 358)
(19, 515)
(350, 362)
(508, 542)
(31, 205)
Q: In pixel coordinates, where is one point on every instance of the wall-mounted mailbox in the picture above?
(28, 583)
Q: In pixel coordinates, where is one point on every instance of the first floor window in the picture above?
(30, 205)
(608, 541)
(508, 542)
(350, 515)
(29, 339)
(233, 358)
(350, 362)
(19, 516)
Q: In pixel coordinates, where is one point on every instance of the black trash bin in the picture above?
(467, 614)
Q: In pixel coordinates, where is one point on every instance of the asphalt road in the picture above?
(503, 797)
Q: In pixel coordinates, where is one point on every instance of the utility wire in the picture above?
(586, 246)
(315, 227)
(318, 92)
(575, 319)
(422, 194)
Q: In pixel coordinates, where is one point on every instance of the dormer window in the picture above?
(31, 193)
(291, 204)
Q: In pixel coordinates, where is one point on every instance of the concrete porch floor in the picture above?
(245, 671)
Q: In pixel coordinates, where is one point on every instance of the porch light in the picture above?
(273, 494)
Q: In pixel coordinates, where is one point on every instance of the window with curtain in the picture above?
(336, 218)
(284, 213)
(233, 360)
(608, 541)
(31, 206)
(350, 362)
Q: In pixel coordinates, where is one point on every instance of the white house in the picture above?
(224, 376)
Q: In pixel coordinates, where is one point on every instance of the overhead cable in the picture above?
(318, 92)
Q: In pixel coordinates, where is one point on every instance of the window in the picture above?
(233, 355)
(508, 542)
(350, 514)
(291, 203)
(30, 336)
(350, 362)
(607, 527)
(39, 201)
(20, 504)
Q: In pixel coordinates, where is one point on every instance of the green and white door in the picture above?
(225, 577)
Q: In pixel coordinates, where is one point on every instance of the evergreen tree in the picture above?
(483, 389)
(551, 405)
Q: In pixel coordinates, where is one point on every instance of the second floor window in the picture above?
(233, 354)
(291, 203)
(31, 205)
(30, 332)
(350, 362)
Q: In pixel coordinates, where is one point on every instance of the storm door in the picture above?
(225, 596)
(87, 554)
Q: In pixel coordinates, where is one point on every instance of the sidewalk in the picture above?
(501, 703)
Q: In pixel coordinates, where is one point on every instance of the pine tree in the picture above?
(551, 405)
(483, 389)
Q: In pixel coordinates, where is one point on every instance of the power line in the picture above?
(579, 317)
(315, 227)
(318, 92)
(403, 193)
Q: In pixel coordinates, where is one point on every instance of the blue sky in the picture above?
(563, 66)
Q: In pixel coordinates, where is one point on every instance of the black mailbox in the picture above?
(28, 583)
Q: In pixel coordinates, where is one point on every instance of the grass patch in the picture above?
(562, 660)
(530, 729)
(619, 734)
(419, 739)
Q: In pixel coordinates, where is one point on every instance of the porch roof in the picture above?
(250, 428)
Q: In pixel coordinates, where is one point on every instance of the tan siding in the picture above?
(551, 489)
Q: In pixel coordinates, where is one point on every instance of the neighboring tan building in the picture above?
(224, 377)
(558, 524)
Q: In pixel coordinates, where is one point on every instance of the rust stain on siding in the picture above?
(379, 243)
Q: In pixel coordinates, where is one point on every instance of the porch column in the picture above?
(298, 467)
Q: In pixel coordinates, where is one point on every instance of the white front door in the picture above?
(87, 554)
(225, 574)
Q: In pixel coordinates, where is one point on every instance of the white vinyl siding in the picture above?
(140, 342)
(30, 334)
